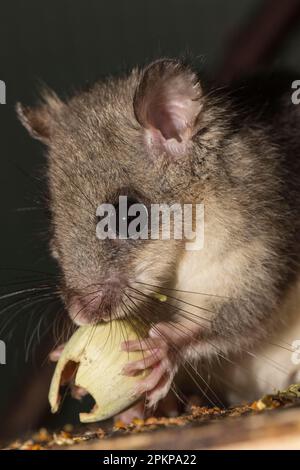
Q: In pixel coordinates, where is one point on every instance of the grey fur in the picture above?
(241, 161)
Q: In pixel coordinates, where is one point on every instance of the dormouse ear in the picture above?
(39, 120)
(167, 103)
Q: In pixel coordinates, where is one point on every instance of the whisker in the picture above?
(77, 187)
(185, 302)
(230, 330)
(27, 270)
(36, 331)
(191, 317)
(158, 302)
(24, 307)
(128, 317)
(27, 281)
(24, 291)
(181, 290)
(193, 368)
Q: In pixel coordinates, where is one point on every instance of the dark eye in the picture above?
(131, 218)
(127, 218)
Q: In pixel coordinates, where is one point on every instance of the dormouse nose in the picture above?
(96, 304)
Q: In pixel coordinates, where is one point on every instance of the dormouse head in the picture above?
(137, 138)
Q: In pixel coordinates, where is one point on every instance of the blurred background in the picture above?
(68, 44)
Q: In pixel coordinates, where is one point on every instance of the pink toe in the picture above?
(136, 366)
(151, 381)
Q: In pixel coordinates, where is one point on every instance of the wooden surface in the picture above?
(274, 429)
(273, 422)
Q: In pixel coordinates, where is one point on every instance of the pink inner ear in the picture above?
(173, 116)
(171, 105)
(167, 103)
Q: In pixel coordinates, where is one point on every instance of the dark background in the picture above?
(68, 44)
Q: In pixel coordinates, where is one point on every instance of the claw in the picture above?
(56, 353)
(152, 380)
(132, 367)
(78, 392)
(136, 411)
(163, 345)
(161, 358)
(159, 392)
(148, 344)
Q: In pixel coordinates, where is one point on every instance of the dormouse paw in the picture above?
(160, 356)
(56, 353)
